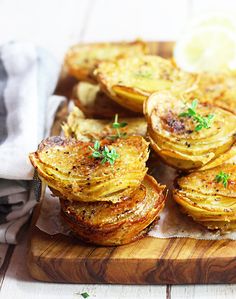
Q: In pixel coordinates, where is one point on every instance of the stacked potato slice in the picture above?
(81, 60)
(207, 200)
(122, 77)
(106, 223)
(68, 167)
(89, 129)
(216, 89)
(96, 104)
(103, 203)
(176, 140)
(130, 81)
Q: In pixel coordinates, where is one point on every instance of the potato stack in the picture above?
(208, 201)
(191, 124)
(182, 142)
(108, 200)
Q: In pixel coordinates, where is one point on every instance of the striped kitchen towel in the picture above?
(28, 76)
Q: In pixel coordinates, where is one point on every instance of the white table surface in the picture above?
(56, 24)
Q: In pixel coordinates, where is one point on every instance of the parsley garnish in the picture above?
(117, 126)
(202, 121)
(144, 74)
(105, 154)
(222, 177)
(84, 295)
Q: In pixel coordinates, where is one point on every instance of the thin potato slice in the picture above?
(82, 59)
(207, 200)
(217, 89)
(228, 157)
(176, 140)
(70, 171)
(96, 104)
(109, 224)
(97, 129)
(131, 80)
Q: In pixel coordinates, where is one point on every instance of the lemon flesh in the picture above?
(210, 49)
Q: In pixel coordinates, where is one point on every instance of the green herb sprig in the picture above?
(84, 295)
(117, 126)
(202, 121)
(223, 178)
(146, 74)
(104, 154)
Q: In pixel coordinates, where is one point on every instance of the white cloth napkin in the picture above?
(28, 76)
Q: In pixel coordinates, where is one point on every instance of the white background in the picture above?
(56, 24)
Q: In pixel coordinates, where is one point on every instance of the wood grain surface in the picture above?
(148, 261)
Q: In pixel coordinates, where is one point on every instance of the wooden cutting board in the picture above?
(62, 258)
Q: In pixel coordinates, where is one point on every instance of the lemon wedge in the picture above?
(209, 48)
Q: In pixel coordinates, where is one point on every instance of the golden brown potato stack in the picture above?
(189, 135)
(120, 223)
(96, 104)
(130, 81)
(88, 129)
(103, 202)
(82, 59)
(209, 197)
(68, 168)
(217, 89)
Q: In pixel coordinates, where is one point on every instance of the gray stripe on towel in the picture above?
(3, 110)
(4, 200)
